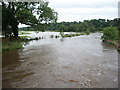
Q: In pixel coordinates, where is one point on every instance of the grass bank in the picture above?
(15, 43)
(8, 45)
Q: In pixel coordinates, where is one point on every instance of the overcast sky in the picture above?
(79, 10)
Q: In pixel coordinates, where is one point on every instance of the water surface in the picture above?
(77, 62)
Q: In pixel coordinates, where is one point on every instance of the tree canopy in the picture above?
(28, 13)
(85, 26)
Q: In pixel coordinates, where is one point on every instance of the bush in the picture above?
(110, 33)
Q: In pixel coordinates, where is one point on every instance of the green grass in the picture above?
(15, 43)
(24, 32)
(11, 45)
(24, 36)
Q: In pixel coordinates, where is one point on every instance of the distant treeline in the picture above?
(85, 26)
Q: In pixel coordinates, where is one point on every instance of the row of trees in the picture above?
(29, 13)
(85, 26)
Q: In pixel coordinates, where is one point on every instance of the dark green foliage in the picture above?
(14, 13)
(110, 33)
(110, 36)
(85, 26)
(8, 20)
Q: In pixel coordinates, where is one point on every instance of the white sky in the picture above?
(79, 10)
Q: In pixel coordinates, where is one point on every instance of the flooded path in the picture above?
(77, 62)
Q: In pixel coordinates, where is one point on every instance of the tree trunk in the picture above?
(15, 33)
(15, 30)
(4, 30)
(5, 33)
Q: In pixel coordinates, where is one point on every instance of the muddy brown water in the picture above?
(77, 62)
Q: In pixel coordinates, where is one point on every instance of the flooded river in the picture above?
(77, 62)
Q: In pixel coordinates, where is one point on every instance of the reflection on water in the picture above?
(10, 57)
(77, 62)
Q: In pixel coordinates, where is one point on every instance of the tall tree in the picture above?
(28, 13)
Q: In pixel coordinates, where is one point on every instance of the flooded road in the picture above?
(77, 62)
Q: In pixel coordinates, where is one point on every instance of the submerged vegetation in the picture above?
(75, 34)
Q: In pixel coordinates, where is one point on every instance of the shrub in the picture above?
(110, 33)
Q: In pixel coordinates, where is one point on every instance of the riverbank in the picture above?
(115, 43)
(15, 43)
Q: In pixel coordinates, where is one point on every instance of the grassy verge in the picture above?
(8, 45)
(15, 43)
